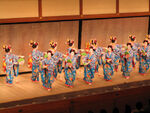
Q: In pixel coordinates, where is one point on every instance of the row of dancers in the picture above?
(49, 64)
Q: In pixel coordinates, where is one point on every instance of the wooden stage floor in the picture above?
(28, 92)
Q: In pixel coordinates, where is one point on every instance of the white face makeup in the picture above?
(109, 49)
(91, 50)
(49, 55)
(129, 47)
(145, 44)
(72, 53)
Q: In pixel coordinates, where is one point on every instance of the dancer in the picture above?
(47, 71)
(89, 61)
(108, 63)
(98, 52)
(135, 46)
(9, 62)
(144, 55)
(70, 44)
(127, 57)
(35, 60)
(116, 50)
(57, 57)
(70, 68)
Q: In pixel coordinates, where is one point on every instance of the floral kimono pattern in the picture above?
(144, 55)
(9, 60)
(127, 62)
(47, 73)
(70, 71)
(58, 63)
(117, 51)
(98, 53)
(89, 69)
(36, 63)
(108, 65)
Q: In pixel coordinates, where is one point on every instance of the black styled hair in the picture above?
(50, 52)
(70, 43)
(72, 50)
(91, 47)
(129, 44)
(110, 46)
(33, 44)
(7, 48)
(146, 41)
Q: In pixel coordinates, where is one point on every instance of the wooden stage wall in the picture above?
(102, 29)
(19, 35)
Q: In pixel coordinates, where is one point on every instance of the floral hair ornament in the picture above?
(33, 43)
(6, 47)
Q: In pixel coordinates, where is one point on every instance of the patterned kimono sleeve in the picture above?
(15, 58)
(132, 54)
(7, 60)
(78, 51)
(60, 55)
(119, 46)
(66, 59)
(137, 45)
(41, 54)
(94, 58)
(85, 59)
(74, 62)
(43, 62)
(116, 50)
(53, 64)
(99, 51)
(135, 48)
(122, 54)
(55, 56)
(113, 58)
(104, 58)
(34, 55)
(148, 52)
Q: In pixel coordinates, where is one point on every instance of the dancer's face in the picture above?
(129, 47)
(145, 44)
(109, 49)
(91, 50)
(49, 55)
(72, 53)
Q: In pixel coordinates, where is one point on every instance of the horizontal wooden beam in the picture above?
(18, 20)
(55, 18)
(119, 15)
(74, 17)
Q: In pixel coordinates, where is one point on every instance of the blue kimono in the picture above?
(9, 60)
(98, 53)
(16, 66)
(144, 56)
(70, 72)
(135, 50)
(108, 66)
(89, 69)
(58, 63)
(47, 73)
(117, 52)
(36, 62)
(78, 59)
(127, 62)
